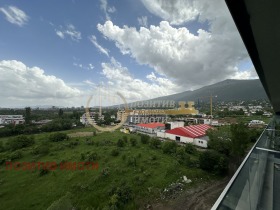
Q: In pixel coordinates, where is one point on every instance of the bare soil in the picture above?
(200, 198)
(80, 134)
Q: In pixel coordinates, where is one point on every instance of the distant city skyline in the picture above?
(60, 52)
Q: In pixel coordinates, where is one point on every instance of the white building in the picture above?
(150, 128)
(11, 119)
(172, 125)
(194, 134)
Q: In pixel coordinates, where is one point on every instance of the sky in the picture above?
(61, 52)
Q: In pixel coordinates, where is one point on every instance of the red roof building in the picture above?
(151, 125)
(192, 131)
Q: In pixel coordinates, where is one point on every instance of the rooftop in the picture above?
(192, 131)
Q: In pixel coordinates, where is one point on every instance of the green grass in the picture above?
(153, 172)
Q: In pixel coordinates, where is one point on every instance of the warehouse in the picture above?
(150, 128)
(195, 134)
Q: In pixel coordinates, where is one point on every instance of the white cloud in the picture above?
(60, 34)
(143, 21)
(98, 46)
(19, 81)
(193, 60)
(91, 66)
(176, 12)
(87, 67)
(120, 80)
(14, 15)
(70, 31)
(106, 9)
(246, 74)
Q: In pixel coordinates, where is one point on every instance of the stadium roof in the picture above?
(192, 131)
(151, 125)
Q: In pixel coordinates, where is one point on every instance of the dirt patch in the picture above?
(202, 197)
(80, 134)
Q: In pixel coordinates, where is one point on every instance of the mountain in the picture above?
(228, 90)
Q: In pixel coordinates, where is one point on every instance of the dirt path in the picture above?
(200, 198)
(80, 134)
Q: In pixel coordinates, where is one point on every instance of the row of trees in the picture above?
(228, 146)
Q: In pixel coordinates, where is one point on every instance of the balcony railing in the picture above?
(256, 183)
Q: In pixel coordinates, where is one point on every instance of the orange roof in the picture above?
(151, 125)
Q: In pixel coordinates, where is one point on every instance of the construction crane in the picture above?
(211, 103)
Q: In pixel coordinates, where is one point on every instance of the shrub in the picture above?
(115, 152)
(133, 141)
(120, 143)
(169, 147)
(145, 139)
(15, 155)
(41, 150)
(56, 137)
(20, 142)
(43, 171)
(92, 156)
(125, 139)
(155, 143)
(190, 148)
(213, 161)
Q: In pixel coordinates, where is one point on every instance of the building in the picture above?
(12, 119)
(172, 125)
(195, 134)
(149, 128)
(84, 120)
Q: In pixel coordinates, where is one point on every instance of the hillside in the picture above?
(228, 90)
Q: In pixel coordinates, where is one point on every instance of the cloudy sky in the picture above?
(60, 52)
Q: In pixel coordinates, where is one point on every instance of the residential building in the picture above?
(12, 119)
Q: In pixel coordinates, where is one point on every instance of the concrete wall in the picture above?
(200, 142)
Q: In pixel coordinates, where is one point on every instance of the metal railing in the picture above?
(255, 183)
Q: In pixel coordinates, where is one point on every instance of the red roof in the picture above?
(192, 131)
(151, 125)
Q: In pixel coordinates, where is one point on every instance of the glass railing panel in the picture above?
(249, 184)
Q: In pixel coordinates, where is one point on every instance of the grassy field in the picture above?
(137, 175)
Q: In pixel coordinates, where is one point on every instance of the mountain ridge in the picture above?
(227, 90)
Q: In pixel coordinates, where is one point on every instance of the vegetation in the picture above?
(126, 176)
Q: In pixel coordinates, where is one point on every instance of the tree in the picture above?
(60, 113)
(58, 137)
(239, 141)
(190, 148)
(27, 115)
(20, 142)
(155, 143)
(213, 161)
(169, 147)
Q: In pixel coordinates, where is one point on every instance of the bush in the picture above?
(15, 155)
(133, 141)
(125, 139)
(43, 171)
(41, 150)
(169, 147)
(115, 152)
(155, 143)
(120, 143)
(56, 137)
(182, 156)
(20, 142)
(145, 139)
(190, 148)
(214, 162)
